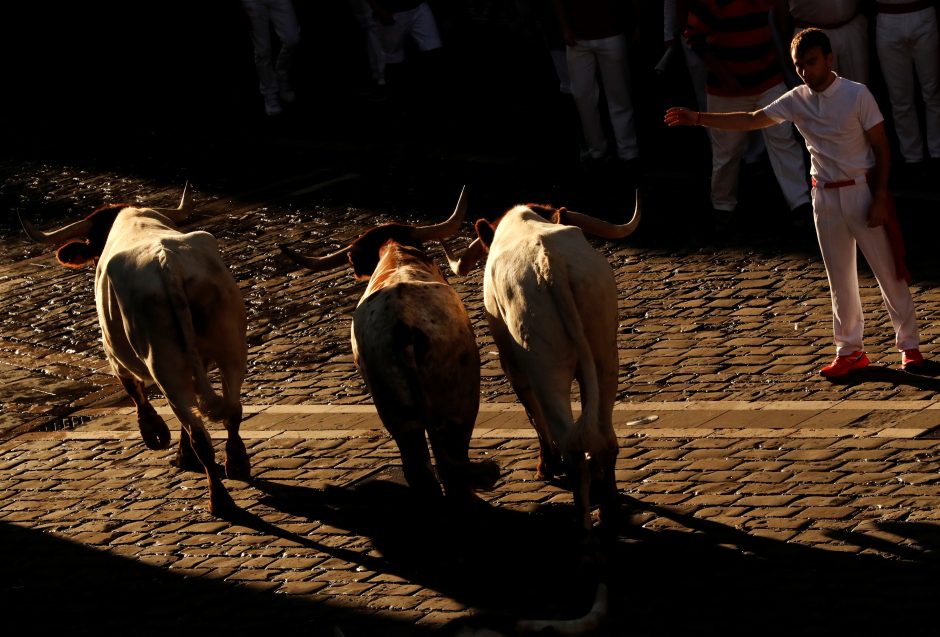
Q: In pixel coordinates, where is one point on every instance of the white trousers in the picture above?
(419, 24)
(264, 14)
(607, 56)
(841, 216)
(728, 147)
(908, 43)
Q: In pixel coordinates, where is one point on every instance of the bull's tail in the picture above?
(587, 436)
(456, 471)
(210, 404)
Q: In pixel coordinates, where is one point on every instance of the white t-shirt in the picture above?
(833, 123)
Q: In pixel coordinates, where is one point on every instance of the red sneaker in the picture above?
(911, 359)
(842, 365)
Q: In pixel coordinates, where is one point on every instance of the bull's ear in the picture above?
(363, 261)
(558, 216)
(485, 231)
(76, 254)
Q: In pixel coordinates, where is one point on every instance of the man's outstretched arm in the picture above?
(677, 116)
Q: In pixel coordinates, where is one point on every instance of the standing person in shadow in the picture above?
(595, 34)
(274, 74)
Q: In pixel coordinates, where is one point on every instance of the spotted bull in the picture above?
(414, 346)
(551, 303)
(168, 309)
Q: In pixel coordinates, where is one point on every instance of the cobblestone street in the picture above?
(759, 498)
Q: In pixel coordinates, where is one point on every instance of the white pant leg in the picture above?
(285, 24)
(611, 55)
(560, 61)
(785, 153)
(876, 248)
(259, 19)
(927, 65)
(727, 150)
(838, 249)
(582, 69)
(842, 224)
(423, 28)
(850, 45)
(895, 54)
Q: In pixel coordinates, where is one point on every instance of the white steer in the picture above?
(168, 309)
(551, 303)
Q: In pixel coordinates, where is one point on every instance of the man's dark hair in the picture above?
(808, 39)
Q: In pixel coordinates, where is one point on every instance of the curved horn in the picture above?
(445, 228)
(317, 264)
(60, 236)
(184, 209)
(461, 266)
(604, 229)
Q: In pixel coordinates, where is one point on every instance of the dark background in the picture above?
(168, 89)
(129, 84)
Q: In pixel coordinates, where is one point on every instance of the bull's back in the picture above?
(414, 345)
(144, 283)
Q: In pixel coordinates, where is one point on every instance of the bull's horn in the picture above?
(445, 228)
(57, 237)
(462, 265)
(604, 229)
(181, 212)
(317, 264)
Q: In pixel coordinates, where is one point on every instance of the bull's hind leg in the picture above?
(186, 457)
(200, 444)
(416, 463)
(237, 465)
(451, 443)
(152, 427)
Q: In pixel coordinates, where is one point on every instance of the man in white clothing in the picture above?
(851, 158)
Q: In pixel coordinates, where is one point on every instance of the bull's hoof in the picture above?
(154, 431)
(237, 468)
(221, 504)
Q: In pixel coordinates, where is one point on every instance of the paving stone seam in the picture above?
(514, 433)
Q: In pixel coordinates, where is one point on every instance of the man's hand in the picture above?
(880, 210)
(677, 116)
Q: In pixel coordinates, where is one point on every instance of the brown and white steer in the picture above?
(413, 343)
(168, 309)
(551, 303)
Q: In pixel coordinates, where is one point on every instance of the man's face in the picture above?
(814, 68)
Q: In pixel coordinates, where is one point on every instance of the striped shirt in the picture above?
(737, 35)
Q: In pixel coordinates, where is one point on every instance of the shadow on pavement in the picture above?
(924, 378)
(60, 587)
(708, 578)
